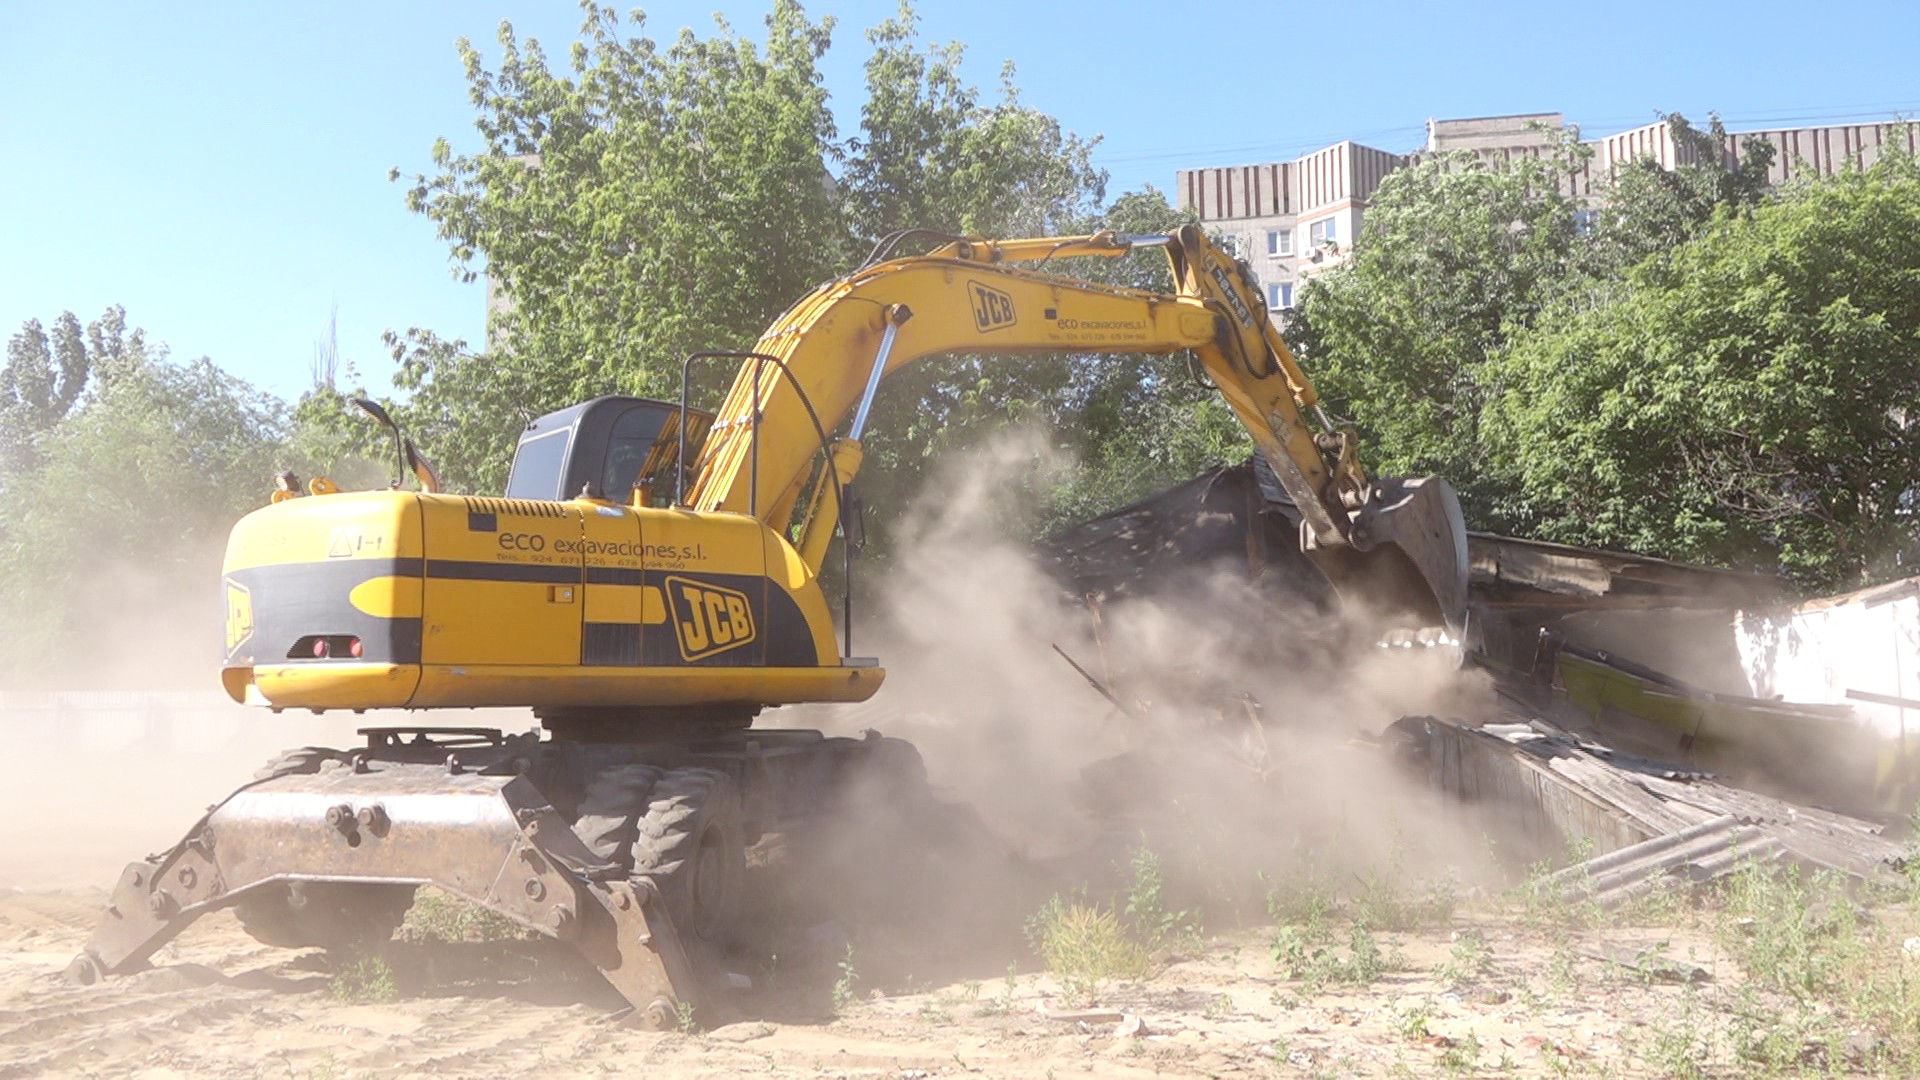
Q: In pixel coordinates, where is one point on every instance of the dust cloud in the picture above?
(1241, 744)
(116, 750)
(1245, 741)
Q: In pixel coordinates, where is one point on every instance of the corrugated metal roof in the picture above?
(1645, 817)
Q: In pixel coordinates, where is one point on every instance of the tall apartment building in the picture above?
(1293, 219)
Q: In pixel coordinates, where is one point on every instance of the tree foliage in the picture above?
(1653, 208)
(46, 375)
(642, 204)
(119, 525)
(1454, 257)
(654, 201)
(1749, 397)
(1699, 368)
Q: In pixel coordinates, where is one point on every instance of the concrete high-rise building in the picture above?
(1293, 219)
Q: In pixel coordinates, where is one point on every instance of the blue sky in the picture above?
(221, 168)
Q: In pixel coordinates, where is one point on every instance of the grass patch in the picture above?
(1316, 964)
(1792, 932)
(1469, 958)
(363, 979)
(845, 988)
(1086, 946)
(1302, 899)
(437, 916)
(1389, 900)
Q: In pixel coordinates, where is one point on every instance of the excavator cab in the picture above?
(611, 448)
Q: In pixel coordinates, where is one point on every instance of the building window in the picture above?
(1323, 232)
(1279, 241)
(1584, 220)
(1280, 296)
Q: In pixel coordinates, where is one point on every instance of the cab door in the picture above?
(503, 582)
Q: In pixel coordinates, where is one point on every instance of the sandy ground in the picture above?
(218, 1004)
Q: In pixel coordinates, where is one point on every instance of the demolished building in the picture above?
(1640, 699)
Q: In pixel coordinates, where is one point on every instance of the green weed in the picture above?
(1548, 905)
(1468, 959)
(1412, 1022)
(1387, 900)
(1085, 946)
(1153, 924)
(1463, 1057)
(1796, 934)
(437, 916)
(844, 986)
(1003, 1004)
(1304, 900)
(363, 980)
(1316, 965)
(936, 1010)
(1682, 1044)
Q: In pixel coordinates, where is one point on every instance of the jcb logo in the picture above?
(239, 615)
(707, 618)
(992, 309)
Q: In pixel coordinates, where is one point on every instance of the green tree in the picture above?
(647, 203)
(1651, 208)
(46, 375)
(328, 435)
(1455, 256)
(657, 201)
(119, 529)
(931, 155)
(1749, 398)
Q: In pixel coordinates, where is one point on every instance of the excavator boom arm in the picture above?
(982, 297)
(976, 297)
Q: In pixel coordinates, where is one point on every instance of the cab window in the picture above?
(537, 466)
(629, 445)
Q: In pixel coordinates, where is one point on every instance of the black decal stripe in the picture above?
(292, 601)
(455, 570)
(610, 644)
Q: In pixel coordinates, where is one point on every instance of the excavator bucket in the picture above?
(1405, 572)
(1406, 569)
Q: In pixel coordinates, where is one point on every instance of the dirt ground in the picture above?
(1485, 990)
(218, 1004)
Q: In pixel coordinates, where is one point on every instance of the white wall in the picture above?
(1868, 641)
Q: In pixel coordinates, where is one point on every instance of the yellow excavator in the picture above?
(646, 585)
